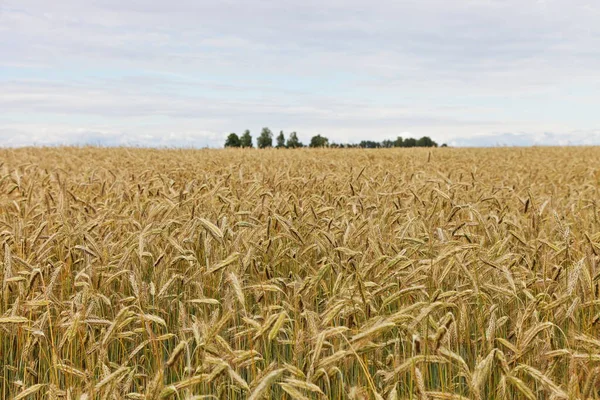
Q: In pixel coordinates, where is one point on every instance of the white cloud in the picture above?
(191, 71)
(577, 138)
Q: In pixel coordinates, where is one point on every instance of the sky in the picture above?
(186, 73)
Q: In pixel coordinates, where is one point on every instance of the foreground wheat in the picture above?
(389, 274)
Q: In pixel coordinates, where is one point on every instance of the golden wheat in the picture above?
(307, 274)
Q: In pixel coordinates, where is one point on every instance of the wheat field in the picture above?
(305, 274)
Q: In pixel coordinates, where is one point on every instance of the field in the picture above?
(300, 274)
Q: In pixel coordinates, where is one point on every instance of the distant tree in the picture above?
(369, 144)
(246, 139)
(426, 141)
(280, 140)
(319, 141)
(265, 139)
(293, 141)
(233, 140)
(444, 145)
(409, 142)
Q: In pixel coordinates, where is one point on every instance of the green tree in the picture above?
(369, 144)
(426, 141)
(409, 142)
(399, 142)
(233, 140)
(319, 141)
(293, 141)
(246, 139)
(280, 140)
(265, 139)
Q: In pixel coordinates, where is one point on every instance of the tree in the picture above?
(426, 141)
(233, 140)
(246, 139)
(444, 145)
(280, 140)
(319, 141)
(369, 144)
(409, 142)
(265, 139)
(293, 141)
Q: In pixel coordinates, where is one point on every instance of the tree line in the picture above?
(265, 140)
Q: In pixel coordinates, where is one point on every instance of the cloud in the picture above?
(192, 71)
(526, 139)
(64, 135)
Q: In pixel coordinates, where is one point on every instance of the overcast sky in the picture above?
(188, 72)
